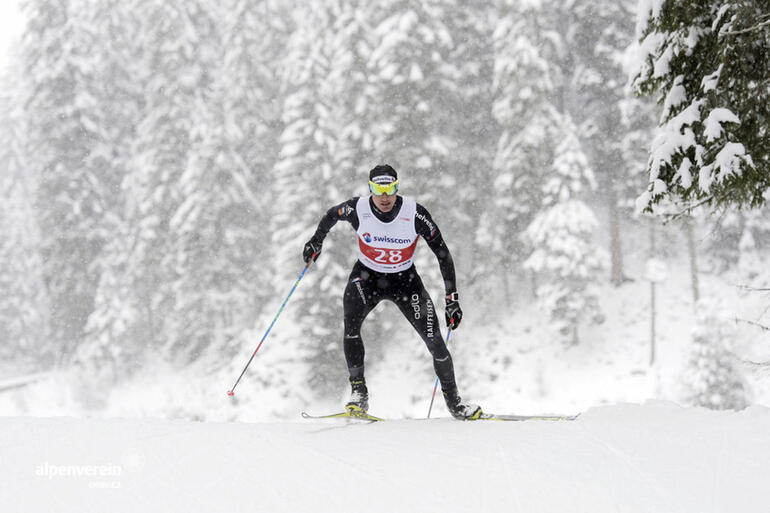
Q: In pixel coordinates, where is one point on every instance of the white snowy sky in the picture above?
(10, 26)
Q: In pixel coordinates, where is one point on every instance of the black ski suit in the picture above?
(367, 287)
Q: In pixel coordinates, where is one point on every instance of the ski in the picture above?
(348, 414)
(360, 415)
(520, 418)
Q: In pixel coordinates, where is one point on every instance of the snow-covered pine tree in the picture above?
(467, 115)
(537, 86)
(707, 64)
(24, 340)
(599, 37)
(254, 37)
(349, 46)
(174, 74)
(206, 212)
(111, 75)
(564, 256)
(214, 245)
(65, 148)
(714, 378)
(109, 344)
(221, 224)
(411, 77)
(308, 182)
(525, 80)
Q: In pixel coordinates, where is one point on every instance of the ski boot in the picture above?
(459, 409)
(359, 398)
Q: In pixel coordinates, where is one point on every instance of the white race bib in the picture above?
(387, 247)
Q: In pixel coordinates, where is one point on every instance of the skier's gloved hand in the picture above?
(311, 251)
(453, 312)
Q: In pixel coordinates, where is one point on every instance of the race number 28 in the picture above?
(392, 256)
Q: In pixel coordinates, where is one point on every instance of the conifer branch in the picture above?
(688, 209)
(756, 364)
(747, 30)
(752, 323)
(752, 289)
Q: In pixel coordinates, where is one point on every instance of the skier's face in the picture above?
(384, 203)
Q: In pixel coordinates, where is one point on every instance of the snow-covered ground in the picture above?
(617, 457)
(657, 457)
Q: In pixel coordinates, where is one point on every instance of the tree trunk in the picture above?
(506, 284)
(652, 296)
(616, 250)
(652, 323)
(692, 251)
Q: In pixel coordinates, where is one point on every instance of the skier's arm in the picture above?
(345, 211)
(428, 230)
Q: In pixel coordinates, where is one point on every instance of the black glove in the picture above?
(311, 251)
(453, 312)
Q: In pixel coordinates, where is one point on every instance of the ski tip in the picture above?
(492, 416)
(230, 393)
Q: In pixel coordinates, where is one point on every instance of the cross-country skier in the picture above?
(388, 227)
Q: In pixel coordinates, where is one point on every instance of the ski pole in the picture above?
(231, 392)
(435, 386)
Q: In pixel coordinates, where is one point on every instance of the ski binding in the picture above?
(350, 413)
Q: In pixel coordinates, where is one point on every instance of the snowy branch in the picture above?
(752, 323)
(687, 210)
(756, 364)
(753, 289)
(750, 29)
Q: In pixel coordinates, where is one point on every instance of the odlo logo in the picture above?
(367, 237)
(416, 305)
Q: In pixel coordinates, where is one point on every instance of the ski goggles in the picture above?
(388, 189)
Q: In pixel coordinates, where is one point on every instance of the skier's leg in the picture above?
(417, 306)
(357, 302)
(415, 303)
(359, 299)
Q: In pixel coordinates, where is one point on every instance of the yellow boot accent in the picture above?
(352, 408)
